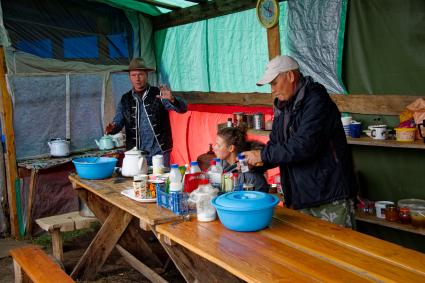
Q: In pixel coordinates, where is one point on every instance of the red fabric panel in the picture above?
(229, 109)
(195, 130)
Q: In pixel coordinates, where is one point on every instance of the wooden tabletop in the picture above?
(110, 190)
(298, 247)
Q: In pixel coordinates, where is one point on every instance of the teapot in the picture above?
(118, 139)
(105, 142)
(134, 163)
(59, 147)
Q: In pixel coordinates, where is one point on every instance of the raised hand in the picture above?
(165, 93)
(109, 128)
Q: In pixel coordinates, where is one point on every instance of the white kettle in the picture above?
(134, 163)
(59, 147)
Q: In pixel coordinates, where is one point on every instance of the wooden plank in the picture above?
(226, 98)
(373, 104)
(352, 103)
(367, 141)
(195, 268)
(38, 266)
(200, 12)
(139, 266)
(101, 246)
(374, 247)
(395, 225)
(66, 222)
(31, 189)
(110, 190)
(253, 257)
(10, 154)
(57, 244)
(273, 41)
(346, 258)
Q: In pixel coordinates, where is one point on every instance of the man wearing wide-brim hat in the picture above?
(143, 111)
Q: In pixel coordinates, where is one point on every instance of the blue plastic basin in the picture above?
(245, 211)
(95, 167)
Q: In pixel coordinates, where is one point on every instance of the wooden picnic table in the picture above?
(295, 248)
(126, 225)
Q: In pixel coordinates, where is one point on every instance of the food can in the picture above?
(249, 121)
(258, 121)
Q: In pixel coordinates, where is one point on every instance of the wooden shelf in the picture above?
(395, 225)
(418, 144)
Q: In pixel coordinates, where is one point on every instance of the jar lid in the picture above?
(245, 200)
(404, 209)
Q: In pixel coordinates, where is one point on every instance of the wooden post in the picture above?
(273, 41)
(10, 155)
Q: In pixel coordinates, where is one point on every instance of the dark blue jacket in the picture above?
(309, 145)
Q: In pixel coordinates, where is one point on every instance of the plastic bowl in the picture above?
(246, 219)
(95, 167)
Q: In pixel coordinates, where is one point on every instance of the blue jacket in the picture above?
(308, 143)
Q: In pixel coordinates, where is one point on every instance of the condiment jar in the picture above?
(391, 213)
(404, 215)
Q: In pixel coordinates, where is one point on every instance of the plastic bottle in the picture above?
(218, 165)
(175, 175)
(194, 167)
(243, 163)
(214, 175)
(229, 122)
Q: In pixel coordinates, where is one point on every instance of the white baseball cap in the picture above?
(277, 65)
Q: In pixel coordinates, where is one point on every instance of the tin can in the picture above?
(258, 121)
(249, 121)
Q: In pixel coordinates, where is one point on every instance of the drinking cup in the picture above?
(140, 186)
(379, 133)
(346, 121)
(355, 129)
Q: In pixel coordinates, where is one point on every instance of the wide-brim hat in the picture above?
(138, 64)
(277, 65)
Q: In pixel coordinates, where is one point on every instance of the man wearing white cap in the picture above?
(308, 144)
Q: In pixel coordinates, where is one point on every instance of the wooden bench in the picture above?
(31, 264)
(63, 223)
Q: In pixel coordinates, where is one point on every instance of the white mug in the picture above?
(158, 164)
(379, 133)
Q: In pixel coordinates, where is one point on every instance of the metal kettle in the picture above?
(59, 147)
(134, 163)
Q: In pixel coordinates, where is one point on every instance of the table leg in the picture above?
(103, 243)
(132, 239)
(31, 189)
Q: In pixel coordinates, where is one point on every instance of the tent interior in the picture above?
(65, 63)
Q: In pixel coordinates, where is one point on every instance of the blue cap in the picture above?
(193, 163)
(241, 156)
(174, 166)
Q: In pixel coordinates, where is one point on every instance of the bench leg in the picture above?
(20, 276)
(57, 244)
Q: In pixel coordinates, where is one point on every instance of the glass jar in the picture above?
(391, 213)
(404, 215)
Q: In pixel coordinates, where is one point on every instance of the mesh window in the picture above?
(69, 30)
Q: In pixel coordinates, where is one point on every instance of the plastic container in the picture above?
(95, 168)
(405, 134)
(177, 202)
(380, 208)
(417, 214)
(245, 211)
(404, 215)
(194, 167)
(175, 175)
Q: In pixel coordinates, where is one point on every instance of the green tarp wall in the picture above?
(384, 53)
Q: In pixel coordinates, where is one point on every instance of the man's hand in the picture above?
(253, 157)
(109, 128)
(165, 93)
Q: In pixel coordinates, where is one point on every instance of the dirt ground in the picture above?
(114, 270)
